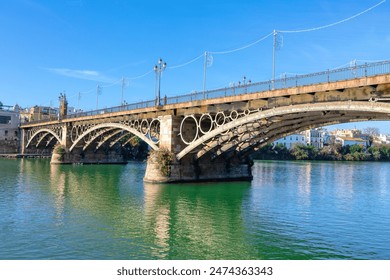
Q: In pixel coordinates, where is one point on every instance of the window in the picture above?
(5, 119)
(5, 132)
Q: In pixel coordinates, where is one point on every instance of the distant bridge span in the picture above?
(210, 134)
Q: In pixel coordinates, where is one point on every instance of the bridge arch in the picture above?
(114, 125)
(40, 131)
(255, 129)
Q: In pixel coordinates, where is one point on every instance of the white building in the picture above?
(291, 140)
(349, 141)
(317, 137)
(382, 139)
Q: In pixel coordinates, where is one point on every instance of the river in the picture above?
(291, 210)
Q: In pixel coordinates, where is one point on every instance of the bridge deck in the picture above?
(205, 105)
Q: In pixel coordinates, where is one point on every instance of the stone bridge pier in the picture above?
(165, 164)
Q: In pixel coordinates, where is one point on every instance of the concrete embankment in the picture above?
(24, 156)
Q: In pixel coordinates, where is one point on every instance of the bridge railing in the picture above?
(125, 107)
(341, 74)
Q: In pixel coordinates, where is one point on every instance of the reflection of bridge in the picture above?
(209, 135)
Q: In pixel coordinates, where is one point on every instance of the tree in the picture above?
(330, 152)
(355, 148)
(299, 152)
(264, 153)
(302, 152)
(374, 153)
(385, 152)
(1, 105)
(371, 131)
(281, 151)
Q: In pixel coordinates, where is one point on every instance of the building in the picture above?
(381, 139)
(9, 129)
(349, 141)
(42, 113)
(290, 141)
(352, 133)
(317, 137)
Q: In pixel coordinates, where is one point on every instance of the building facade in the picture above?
(292, 140)
(317, 137)
(349, 141)
(9, 130)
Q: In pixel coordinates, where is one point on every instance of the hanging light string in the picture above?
(140, 76)
(112, 84)
(186, 63)
(332, 24)
(244, 47)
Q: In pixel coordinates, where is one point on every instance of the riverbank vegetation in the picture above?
(331, 152)
(138, 150)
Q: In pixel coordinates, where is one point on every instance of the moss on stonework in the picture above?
(60, 150)
(164, 158)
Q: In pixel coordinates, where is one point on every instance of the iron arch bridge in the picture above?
(235, 132)
(84, 135)
(209, 136)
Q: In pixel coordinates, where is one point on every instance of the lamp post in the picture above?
(158, 70)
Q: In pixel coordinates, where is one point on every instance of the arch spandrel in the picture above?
(46, 131)
(357, 109)
(124, 127)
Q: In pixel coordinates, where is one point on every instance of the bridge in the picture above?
(210, 135)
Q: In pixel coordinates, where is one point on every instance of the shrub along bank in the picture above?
(331, 152)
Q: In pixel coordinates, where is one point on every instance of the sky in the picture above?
(73, 46)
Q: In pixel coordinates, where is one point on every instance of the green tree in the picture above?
(264, 153)
(373, 153)
(330, 152)
(355, 148)
(282, 152)
(300, 152)
(385, 152)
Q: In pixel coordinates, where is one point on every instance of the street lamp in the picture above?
(158, 70)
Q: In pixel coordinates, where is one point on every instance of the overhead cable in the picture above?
(112, 84)
(186, 63)
(140, 76)
(244, 47)
(332, 24)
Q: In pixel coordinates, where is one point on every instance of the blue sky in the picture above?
(72, 46)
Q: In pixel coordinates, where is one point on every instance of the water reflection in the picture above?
(304, 183)
(291, 210)
(196, 221)
(58, 185)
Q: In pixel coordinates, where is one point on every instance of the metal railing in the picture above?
(341, 74)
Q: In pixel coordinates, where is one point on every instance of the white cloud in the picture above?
(91, 75)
